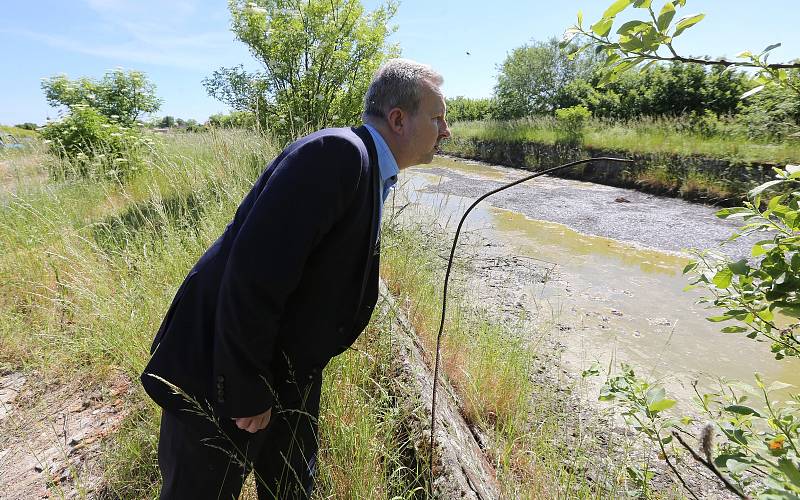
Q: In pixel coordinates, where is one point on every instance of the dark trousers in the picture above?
(201, 459)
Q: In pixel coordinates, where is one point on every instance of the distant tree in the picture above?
(167, 122)
(120, 95)
(27, 126)
(317, 60)
(234, 119)
(465, 109)
(531, 77)
(660, 90)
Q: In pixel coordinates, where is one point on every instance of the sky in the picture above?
(177, 43)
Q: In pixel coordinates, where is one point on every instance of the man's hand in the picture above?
(254, 424)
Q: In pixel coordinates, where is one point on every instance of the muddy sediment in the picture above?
(601, 276)
(693, 177)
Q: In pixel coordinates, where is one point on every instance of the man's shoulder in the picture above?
(337, 138)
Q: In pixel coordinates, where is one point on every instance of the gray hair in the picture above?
(398, 84)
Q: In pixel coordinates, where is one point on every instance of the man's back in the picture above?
(289, 276)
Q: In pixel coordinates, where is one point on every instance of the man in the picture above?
(236, 365)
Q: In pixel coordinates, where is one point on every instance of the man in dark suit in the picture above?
(237, 363)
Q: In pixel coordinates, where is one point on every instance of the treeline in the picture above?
(540, 78)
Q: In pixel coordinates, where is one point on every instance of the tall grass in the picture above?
(646, 135)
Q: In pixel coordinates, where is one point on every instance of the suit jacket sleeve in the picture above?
(307, 193)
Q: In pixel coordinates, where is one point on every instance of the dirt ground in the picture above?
(51, 434)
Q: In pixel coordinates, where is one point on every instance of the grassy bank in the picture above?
(17, 132)
(89, 268)
(647, 135)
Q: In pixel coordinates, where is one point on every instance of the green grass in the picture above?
(646, 135)
(17, 132)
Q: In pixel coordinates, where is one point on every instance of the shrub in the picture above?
(92, 146)
(27, 126)
(571, 124)
(461, 109)
(234, 119)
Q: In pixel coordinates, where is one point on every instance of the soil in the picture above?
(51, 434)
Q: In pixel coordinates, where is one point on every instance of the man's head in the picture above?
(405, 104)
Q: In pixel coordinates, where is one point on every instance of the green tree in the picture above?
(462, 108)
(234, 119)
(167, 122)
(120, 95)
(661, 90)
(317, 61)
(532, 76)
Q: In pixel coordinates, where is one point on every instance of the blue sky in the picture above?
(179, 42)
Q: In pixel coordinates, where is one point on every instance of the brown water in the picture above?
(606, 299)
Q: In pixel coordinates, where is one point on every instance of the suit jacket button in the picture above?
(220, 379)
(340, 329)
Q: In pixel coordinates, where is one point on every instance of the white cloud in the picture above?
(189, 52)
(144, 31)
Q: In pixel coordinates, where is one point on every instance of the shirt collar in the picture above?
(387, 165)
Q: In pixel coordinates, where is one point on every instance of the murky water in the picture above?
(616, 290)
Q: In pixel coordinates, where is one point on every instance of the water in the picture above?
(614, 290)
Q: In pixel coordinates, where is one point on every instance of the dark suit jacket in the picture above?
(293, 277)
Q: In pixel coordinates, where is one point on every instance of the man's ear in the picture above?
(396, 119)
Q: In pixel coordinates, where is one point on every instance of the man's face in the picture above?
(427, 126)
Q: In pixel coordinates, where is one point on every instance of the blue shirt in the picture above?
(387, 167)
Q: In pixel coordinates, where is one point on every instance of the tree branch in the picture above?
(710, 466)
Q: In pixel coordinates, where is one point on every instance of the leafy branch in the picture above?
(639, 41)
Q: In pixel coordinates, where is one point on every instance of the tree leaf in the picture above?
(778, 385)
(723, 278)
(686, 23)
(742, 410)
(789, 468)
(630, 26)
(770, 47)
(740, 267)
(752, 91)
(758, 190)
(616, 8)
(665, 16)
(690, 267)
(661, 405)
(718, 319)
(655, 394)
(603, 26)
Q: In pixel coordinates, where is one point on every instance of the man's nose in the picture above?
(444, 132)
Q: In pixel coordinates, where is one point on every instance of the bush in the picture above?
(465, 109)
(91, 146)
(234, 119)
(27, 126)
(571, 124)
